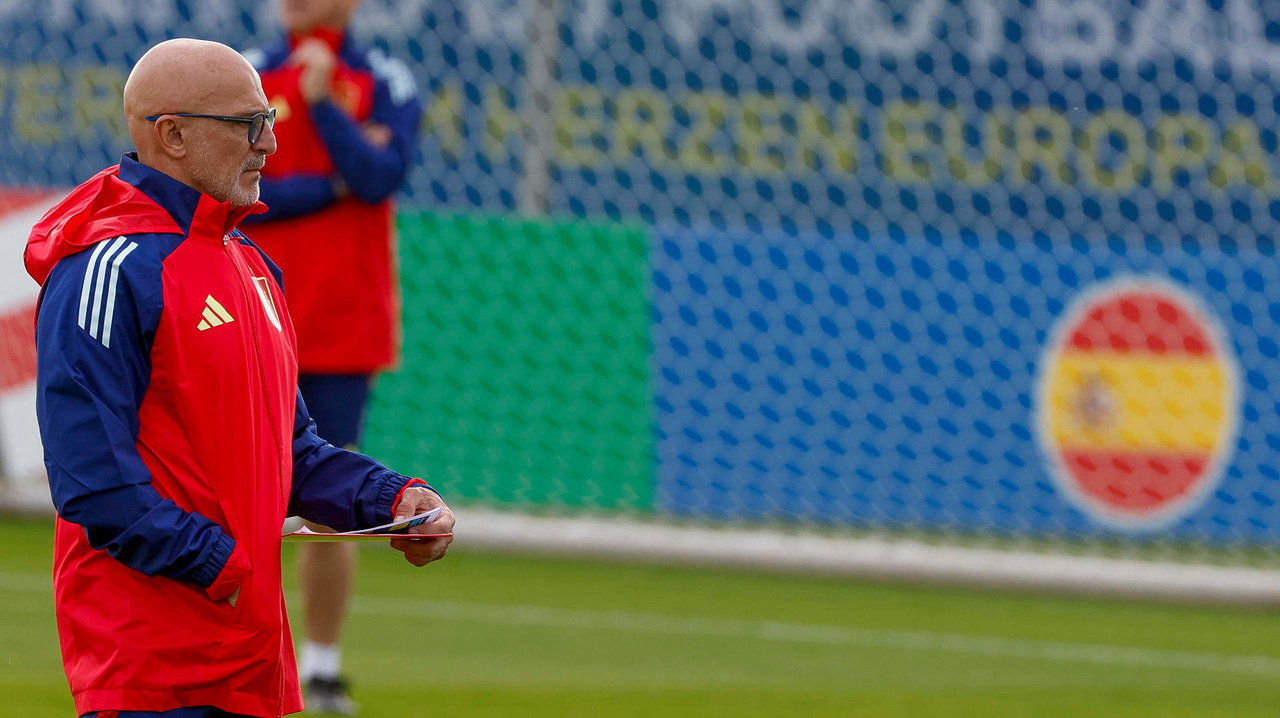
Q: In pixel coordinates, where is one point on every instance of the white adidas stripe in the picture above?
(111, 293)
(97, 286)
(88, 281)
(107, 255)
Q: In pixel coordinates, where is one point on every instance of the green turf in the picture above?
(482, 634)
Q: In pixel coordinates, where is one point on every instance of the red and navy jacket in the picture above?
(176, 443)
(337, 253)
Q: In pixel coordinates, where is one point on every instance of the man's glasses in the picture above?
(257, 123)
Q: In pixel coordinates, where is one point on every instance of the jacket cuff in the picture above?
(395, 503)
(233, 569)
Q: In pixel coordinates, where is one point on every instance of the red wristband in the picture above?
(400, 495)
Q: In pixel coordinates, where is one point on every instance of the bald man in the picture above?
(175, 438)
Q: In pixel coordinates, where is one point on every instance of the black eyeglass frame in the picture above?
(257, 122)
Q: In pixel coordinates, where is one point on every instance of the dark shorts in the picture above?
(192, 712)
(336, 402)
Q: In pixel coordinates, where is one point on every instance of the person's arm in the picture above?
(373, 171)
(292, 196)
(346, 491)
(94, 332)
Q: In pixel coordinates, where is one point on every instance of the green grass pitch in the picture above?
(484, 634)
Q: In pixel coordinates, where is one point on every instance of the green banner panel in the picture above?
(525, 371)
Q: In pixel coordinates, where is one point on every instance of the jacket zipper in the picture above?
(246, 277)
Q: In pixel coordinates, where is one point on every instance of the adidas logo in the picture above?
(214, 314)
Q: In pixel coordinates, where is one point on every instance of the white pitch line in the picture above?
(782, 631)
(968, 644)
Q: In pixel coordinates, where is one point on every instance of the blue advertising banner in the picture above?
(1027, 386)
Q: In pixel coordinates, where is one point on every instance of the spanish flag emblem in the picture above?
(1138, 403)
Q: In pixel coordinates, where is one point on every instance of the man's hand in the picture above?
(376, 134)
(318, 62)
(420, 552)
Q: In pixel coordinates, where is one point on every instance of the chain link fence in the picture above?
(966, 270)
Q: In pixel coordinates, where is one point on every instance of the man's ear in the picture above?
(169, 137)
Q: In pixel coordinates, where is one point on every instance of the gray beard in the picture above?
(223, 189)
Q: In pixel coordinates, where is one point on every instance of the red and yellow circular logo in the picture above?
(1138, 403)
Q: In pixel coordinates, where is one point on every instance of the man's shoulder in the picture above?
(133, 260)
(109, 284)
(386, 70)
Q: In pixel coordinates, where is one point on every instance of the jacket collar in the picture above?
(196, 213)
(174, 197)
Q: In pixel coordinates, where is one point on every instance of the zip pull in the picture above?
(226, 239)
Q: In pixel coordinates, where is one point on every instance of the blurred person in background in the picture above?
(347, 120)
(175, 438)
